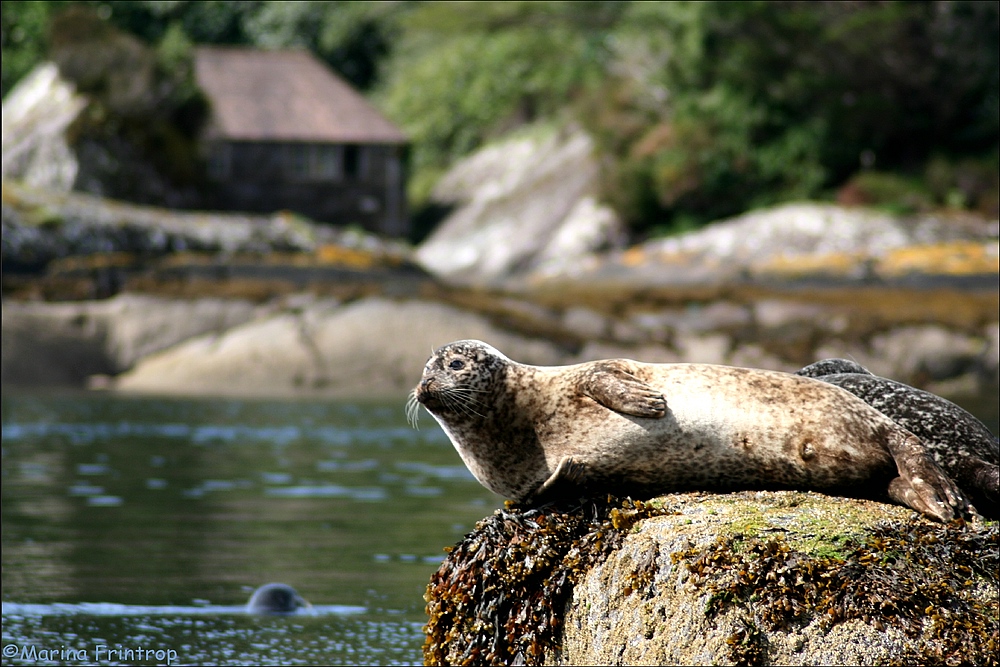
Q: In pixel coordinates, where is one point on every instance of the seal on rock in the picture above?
(534, 433)
(961, 444)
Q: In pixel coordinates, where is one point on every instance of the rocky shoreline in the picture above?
(302, 344)
(107, 294)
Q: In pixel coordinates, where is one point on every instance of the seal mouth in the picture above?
(427, 395)
(443, 400)
(421, 395)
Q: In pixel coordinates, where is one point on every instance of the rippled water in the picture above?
(135, 529)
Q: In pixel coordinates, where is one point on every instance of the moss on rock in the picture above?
(742, 578)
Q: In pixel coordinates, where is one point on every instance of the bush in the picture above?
(769, 101)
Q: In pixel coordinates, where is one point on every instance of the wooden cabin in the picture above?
(286, 132)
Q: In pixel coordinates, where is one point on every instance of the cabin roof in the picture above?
(258, 95)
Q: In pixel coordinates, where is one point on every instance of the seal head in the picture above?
(471, 389)
(275, 600)
(458, 377)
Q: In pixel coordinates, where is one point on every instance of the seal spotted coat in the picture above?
(959, 443)
(533, 433)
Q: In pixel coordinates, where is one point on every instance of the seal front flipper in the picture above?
(568, 479)
(922, 484)
(612, 384)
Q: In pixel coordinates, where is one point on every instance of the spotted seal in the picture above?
(275, 600)
(961, 444)
(532, 433)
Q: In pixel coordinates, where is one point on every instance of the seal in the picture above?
(535, 433)
(961, 444)
(275, 600)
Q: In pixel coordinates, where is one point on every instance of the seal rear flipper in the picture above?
(984, 487)
(568, 479)
(612, 385)
(922, 484)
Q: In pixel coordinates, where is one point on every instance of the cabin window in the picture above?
(220, 161)
(325, 162)
(352, 161)
(312, 162)
(298, 161)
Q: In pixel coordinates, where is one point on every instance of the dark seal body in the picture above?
(530, 433)
(959, 443)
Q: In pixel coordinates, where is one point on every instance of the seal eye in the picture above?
(456, 364)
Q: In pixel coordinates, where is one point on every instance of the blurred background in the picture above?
(234, 231)
(747, 183)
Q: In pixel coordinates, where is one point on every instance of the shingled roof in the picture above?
(285, 96)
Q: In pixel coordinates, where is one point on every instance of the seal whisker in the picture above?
(413, 410)
(454, 399)
(467, 403)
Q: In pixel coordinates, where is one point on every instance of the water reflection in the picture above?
(140, 510)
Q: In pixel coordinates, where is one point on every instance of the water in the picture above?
(135, 529)
(143, 525)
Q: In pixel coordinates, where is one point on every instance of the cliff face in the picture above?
(745, 578)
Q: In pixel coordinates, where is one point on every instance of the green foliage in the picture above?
(769, 101)
(23, 26)
(897, 193)
(699, 109)
(703, 110)
(466, 72)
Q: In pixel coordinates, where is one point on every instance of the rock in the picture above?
(750, 355)
(585, 323)
(775, 314)
(36, 116)
(704, 348)
(369, 348)
(753, 578)
(649, 353)
(59, 139)
(62, 344)
(524, 205)
(990, 362)
(816, 229)
(40, 225)
(917, 354)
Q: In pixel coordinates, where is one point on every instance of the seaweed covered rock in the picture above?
(744, 578)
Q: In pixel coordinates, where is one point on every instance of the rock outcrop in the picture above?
(523, 206)
(749, 578)
(36, 117)
(67, 344)
(761, 238)
(369, 348)
(43, 225)
(326, 345)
